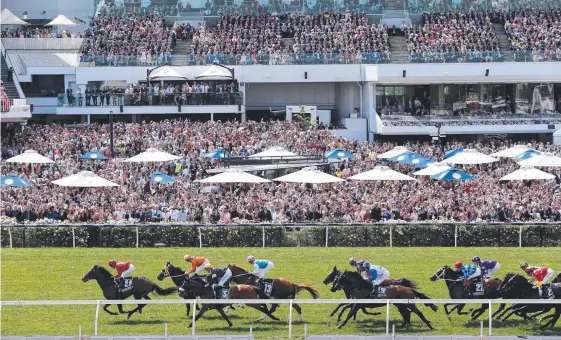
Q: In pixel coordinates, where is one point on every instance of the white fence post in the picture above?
(263, 230)
(290, 320)
(194, 312)
(10, 236)
(490, 318)
(393, 331)
(387, 317)
(520, 237)
(137, 237)
(96, 317)
(481, 331)
(80, 332)
(391, 236)
(166, 331)
(455, 236)
(326, 236)
(200, 239)
(73, 238)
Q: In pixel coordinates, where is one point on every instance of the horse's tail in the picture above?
(406, 283)
(164, 291)
(420, 295)
(304, 286)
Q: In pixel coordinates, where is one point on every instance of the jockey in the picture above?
(524, 265)
(487, 267)
(468, 271)
(541, 275)
(375, 274)
(260, 267)
(222, 275)
(359, 265)
(197, 264)
(123, 269)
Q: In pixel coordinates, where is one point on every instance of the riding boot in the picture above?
(260, 283)
(374, 292)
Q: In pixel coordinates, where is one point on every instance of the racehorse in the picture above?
(455, 284)
(363, 290)
(199, 288)
(177, 275)
(140, 288)
(280, 288)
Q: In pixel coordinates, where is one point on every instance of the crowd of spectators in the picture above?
(442, 121)
(39, 33)
(484, 198)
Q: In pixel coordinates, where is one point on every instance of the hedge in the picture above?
(290, 236)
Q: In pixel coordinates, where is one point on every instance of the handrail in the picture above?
(295, 225)
(9, 63)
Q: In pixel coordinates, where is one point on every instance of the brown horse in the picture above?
(281, 288)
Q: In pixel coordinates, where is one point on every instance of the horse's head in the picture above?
(331, 276)
(92, 274)
(516, 286)
(444, 273)
(165, 272)
(195, 285)
(335, 286)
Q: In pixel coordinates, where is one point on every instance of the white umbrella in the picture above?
(512, 151)
(543, 160)
(234, 176)
(215, 72)
(527, 173)
(275, 152)
(309, 175)
(152, 155)
(30, 157)
(9, 18)
(432, 169)
(470, 156)
(166, 72)
(61, 20)
(382, 173)
(398, 150)
(84, 179)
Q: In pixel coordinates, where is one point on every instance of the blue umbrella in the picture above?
(94, 155)
(15, 181)
(160, 177)
(530, 153)
(410, 158)
(338, 153)
(219, 154)
(453, 152)
(452, 174)
(424, 164)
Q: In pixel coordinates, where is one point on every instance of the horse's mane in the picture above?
(233, 265)
(172, 266)
(104, 271)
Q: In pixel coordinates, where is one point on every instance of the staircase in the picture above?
(9, 86)
(399, 49)
(181, 53)
(503, 41)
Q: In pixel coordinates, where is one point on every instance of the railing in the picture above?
(42, 43)
(137, 99)
(387, 302)
(6, 104)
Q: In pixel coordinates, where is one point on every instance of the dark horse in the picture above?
(281, 288)
(362, 289)
(177, 275)
(141, 287)
(200, 289)
(455, 284)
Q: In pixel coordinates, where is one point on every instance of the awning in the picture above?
(9, 18)
(166, 72)
(61, 20)
(215, 73)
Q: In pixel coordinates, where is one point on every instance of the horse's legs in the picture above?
(501, 307)
(365, 311)
(105, 308)
(449, 311)
(554, 317)
(263, 309)
(224, 316)
(188, 306)
(139, 307)
(461, 308)
(342, 311)
(120, 307)
(203, 309)
(298, 310)
(405, 314)
(547, 309)
(416, 310)
(477, 313)
(352, 312)
(337, 308)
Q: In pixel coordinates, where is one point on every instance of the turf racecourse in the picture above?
(55, 274)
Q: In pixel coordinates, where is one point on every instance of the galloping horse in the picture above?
(140, 288)
(281, 288)
(363, 289)
(199, 288)
(178, 276)
(456, 290)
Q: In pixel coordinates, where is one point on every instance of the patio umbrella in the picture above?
(219, 154)
(424, 163)
(61, 20)
(398, 150)
(210, 190)
(94, 155)
(452, 174)
(432, 169)
(30, 157)
(160, 177)
(9, 18)
(409, 158)
(543, 160)
(152, 155)
(470, 156)
(452, 152)
(382, 173)
(511, 152)
(309, 175)
(84, 179)
(215, 73)
(166, 72)
(14, 181)
(339, 153)
(234, 176)
(275, 152)
(530, 153)
(527, 173)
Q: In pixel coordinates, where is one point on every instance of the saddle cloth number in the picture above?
(224, 294)
(127, 284)
(381, 291)
(268, 289)
(479, 287)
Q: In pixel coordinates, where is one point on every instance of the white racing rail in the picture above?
(388, 302)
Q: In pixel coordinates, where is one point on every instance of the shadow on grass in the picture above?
(138, 322)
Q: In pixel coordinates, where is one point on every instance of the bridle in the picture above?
(440, 277)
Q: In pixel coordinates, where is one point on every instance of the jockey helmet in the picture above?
(208, 266)
(523, 265)
(250, 259)
(458, 264)
(528, 270)
(366, 265)
(352, 261)
(476, 259)
(112, 263)
(188, 258)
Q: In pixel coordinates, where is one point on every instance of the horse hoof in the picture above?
(449, 317)
(129, 316)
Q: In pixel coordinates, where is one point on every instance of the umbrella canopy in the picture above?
(84, 179)
(409, 158)
(309, 175)
(160, 177)
(94, 155)
(275, 152)
(382, 173)
(339, 153)
(166, 72)
(543, 160)
(210, 190)
(432, 169)
(9, 18)
(527, 173)
(398, 150)
(511, 152)
(215, 72)
(217, 154)
(30, 157)
(452, 152)
(452, 174)
(15, 181)
(61, 20)
(234, 176)
(530, 153)
(152, 155)
(470, 156)
(424, 163)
